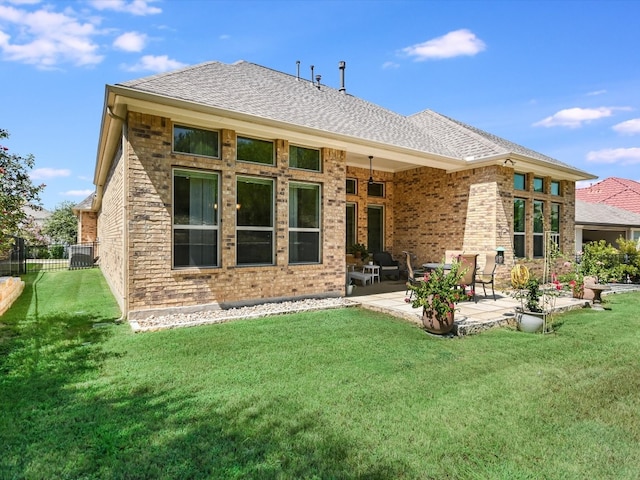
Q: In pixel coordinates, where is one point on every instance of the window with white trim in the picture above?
(304, 223)
(519, 227)
(254, 221)
(352, 224)
(304, 158)
(255, 150)
(538, 229)
(196, 141)
(195, 219)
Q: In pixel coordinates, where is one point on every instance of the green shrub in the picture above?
(56, 251)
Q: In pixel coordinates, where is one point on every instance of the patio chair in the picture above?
(487, 276)
(388, 266)
(413, 276)
(469, 262)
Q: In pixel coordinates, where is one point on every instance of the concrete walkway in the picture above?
(470, 317)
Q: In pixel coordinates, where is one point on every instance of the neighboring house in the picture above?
(613, 191)
(87, 220)
(597, 221)
(234, 183)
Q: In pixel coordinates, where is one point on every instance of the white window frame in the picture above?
(203, 227)
(317, 229)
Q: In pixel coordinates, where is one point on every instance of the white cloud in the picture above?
(160, 63)
(575, 117)
(130, 42)
(44, 173)
(134, 7)
(46, 38)
(595, 93)
(630, 127)
(77, 193)
(224, 36)
(387, 65)
(453, 44)
(622, 156)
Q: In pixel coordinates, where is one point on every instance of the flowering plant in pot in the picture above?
(437, 293)
(537, 301)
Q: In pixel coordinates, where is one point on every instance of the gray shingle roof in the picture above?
(85, 204)
(265, 93)
(601, 214)
(469, 141)
(255, 90)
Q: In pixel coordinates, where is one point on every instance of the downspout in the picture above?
(125, 216)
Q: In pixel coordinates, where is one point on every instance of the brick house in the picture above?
(223, 184)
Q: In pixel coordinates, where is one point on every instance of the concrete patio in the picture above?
(471, 317)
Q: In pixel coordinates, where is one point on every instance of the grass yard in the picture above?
(336, 394)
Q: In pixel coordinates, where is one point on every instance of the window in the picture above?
(555, 187)
(254, 221)
(195, 141)
(538, 229)
(352, 186)
(519, 227)
(195, 219)
(375, 228)
(305, 158)
(254, 150)
(519, 181)
(555, 224)
(352, 224)
(538, 184)
(304, 223)
(375, 189)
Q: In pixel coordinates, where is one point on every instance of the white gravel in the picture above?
(153, 322)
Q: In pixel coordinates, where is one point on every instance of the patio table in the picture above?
(434, 266)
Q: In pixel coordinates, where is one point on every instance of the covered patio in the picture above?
(471, 317)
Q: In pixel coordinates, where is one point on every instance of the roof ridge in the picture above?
(469, 130)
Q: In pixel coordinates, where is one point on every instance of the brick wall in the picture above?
(87, 227)
(111, 230)
(152, 281)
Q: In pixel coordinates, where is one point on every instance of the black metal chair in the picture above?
(388, 266)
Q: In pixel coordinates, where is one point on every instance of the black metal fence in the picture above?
(25, 258)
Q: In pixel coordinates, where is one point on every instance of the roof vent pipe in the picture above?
(297, 69)
(342, 66)
(311, 74)
(318, 77)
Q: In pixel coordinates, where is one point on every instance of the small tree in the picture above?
(16, 190)
(62, 225)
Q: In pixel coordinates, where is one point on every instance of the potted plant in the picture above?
(359, 250)
(536, 300)
(437, 293)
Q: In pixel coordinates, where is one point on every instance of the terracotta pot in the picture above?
(437, 324)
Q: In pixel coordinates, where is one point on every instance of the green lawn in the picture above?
(336, 394)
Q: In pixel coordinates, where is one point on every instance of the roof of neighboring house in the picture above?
(257, 91)
(605, 215)
(37, 213)
(614, 191)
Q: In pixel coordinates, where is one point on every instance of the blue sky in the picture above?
(560, 77)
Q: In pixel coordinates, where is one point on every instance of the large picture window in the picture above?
(195, 141)
(255, 150)
(519, 227)
(304, 158)
(304, 223)
(195, 219)
(254, 221)
(538, 229)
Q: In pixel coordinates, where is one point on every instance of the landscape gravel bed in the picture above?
(161, 322)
